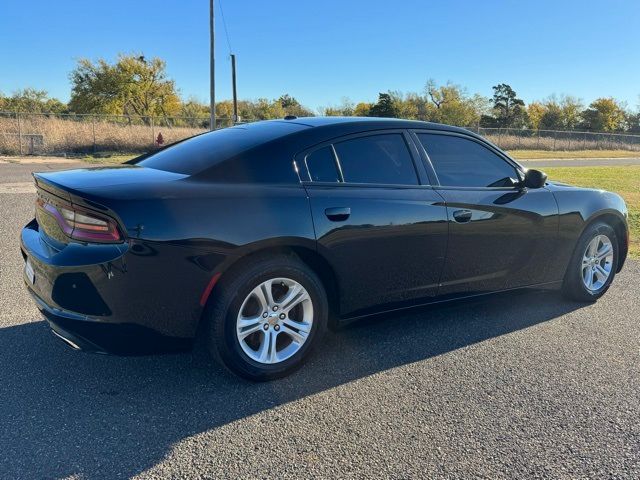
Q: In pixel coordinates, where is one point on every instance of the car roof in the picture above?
(370, 123)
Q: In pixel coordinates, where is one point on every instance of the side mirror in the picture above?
(534, 178)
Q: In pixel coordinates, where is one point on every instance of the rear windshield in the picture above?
(199, 153)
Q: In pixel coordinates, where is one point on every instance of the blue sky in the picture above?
(320, 51)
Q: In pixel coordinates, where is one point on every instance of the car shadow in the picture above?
(69, 413)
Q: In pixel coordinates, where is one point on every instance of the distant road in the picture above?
(580, 162)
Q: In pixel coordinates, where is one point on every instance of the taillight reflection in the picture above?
(81, 224)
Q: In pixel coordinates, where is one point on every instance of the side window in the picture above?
(381, 158)
(460, 162)
(321, 165)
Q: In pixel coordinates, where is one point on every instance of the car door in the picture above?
(501, 235)
(381, 228)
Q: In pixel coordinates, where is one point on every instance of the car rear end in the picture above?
(92, 282)
(121, 259)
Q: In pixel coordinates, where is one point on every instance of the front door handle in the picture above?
(337, 214)
(462, 216)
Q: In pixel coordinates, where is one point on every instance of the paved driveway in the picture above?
(514, 386)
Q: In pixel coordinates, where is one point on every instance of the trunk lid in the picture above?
(102, 190)
(95, 182)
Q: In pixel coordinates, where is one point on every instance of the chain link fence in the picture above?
(526, 139)
(71, 134)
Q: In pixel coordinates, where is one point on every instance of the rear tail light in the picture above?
(81, 224)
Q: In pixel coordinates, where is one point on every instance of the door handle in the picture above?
(462, 216)
(337, 214)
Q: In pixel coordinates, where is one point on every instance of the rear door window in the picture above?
(377, 159)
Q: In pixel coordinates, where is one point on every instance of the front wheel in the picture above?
(593, 264)
(267, 317)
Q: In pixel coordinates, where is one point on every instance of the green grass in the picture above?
(623, 180)
(563, 154)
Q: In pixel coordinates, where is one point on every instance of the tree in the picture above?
(535, 111)
(291, 106)
(362, 109)
(331, 112)
(264, 109)
(508, 109)
(30, 100)
(633, 122)
(131, 86)
(386, 107)
(403, 108)
(571, 108)
(345, 109)
(193, 108)
(552, 116)
(555, 114)
(452, 105)
(604, 115)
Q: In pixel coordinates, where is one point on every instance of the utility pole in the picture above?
(235, 92)
(212, 80)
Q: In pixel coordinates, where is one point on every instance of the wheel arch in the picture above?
(614, 219)
(302, 252)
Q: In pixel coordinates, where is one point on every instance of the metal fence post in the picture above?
(19, 132)
(555, 136)
(153, 133)
(93, 129)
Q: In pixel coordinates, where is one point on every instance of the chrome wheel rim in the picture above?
(597, 262)
(275, 320)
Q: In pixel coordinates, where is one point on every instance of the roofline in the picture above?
(384, 122)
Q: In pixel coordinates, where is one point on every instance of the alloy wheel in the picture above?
(275, 320)
(597, 263)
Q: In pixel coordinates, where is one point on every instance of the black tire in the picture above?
(573, 286)
(222, 313)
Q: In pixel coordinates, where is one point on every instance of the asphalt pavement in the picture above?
(522, 385)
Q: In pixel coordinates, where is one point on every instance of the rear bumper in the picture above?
(131, 298)
(92, 335)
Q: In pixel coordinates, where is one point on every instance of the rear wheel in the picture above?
(593, 265)
(267, 317)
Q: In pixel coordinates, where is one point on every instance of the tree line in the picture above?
(136, 86)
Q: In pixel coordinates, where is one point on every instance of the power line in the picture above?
(224, 24)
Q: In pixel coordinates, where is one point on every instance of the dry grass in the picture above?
(564, 154)
(565, 141)
(62, 136)
(77, 135)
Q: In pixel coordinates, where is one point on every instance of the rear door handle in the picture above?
(337, 214)
(462, 216)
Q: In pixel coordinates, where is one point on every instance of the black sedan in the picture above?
(258, 237)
